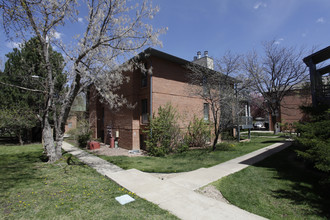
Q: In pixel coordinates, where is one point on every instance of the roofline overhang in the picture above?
(318, 56)
(157, 53)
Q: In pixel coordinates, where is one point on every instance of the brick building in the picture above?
(167, 83)
(290, 105)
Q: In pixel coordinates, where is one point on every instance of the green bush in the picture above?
(183, 147)
(83, 139)
(82, 134)
(314, 141)
(163, 132)
(198, 133)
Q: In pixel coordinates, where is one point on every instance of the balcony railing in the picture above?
(246, 122)
(325, 91)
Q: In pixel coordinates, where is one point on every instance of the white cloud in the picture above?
(279, 41)
(57, 35)
(320, 20)
(13, 44)
(81, 20)
(259, 4)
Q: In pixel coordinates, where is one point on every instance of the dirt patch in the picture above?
(165, 176)
(212, 192)
(107, 151)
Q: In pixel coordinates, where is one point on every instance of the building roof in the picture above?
(166, 56)
(157, 53)
(318, 56)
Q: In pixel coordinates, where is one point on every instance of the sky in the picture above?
(236, 25)
(241, 25)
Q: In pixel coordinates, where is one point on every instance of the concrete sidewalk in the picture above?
(177, 194)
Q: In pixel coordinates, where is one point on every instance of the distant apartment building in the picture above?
(316, 92)
(168, 83)
(290, 111)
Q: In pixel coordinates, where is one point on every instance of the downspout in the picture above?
(150, 96)
(150, 110)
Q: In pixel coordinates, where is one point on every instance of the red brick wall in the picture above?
(169, 85)
(71, 120)
(290, 111)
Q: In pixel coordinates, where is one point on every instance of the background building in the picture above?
(168, 83)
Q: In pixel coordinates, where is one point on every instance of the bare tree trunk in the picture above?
(19, 135)
(274, 120)
(49, 146)
(59, 142)
(215, 141)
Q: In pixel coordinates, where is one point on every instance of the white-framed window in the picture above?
(206, 112)
(144, 111)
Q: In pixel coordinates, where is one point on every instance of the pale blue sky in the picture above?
(241, 25)
(237, 25)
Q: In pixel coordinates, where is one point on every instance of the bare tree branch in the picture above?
(23, 88)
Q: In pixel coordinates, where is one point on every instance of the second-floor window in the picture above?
(206, 112)
(144, 111)
(144, 76)
(205, 90)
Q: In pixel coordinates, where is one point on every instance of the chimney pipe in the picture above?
(206, 53)
(199, 55)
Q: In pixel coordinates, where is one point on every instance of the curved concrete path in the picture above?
(177, 194)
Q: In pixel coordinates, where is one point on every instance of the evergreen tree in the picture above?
(23, 88)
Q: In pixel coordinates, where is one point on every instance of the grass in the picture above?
(32, 189)
(190, 160)
(280, 186)
(262, 134)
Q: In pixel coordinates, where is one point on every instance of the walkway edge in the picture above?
(101, 166)
(177, 194)
(196, 179)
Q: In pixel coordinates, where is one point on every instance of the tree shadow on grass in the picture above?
(273, 141)
(18, 168)
(304, 185)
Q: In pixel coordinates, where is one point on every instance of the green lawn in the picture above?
(262, 134)
(32, 189)
(190, 160)
(278, 187)
(267, 134)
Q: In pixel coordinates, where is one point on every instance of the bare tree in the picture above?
(113, 29)
(220, 90)
(275, 74)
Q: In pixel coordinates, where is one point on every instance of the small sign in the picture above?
(124, 199)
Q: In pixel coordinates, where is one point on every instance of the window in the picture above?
(144, 111)
(205, 90)
(70, 125)
(206, 111)
(144, 76)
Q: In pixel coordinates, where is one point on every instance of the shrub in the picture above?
(314, 141)
(163, 132)
(182, 147)
(198, 133)
(83, 139)
(82, 134)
